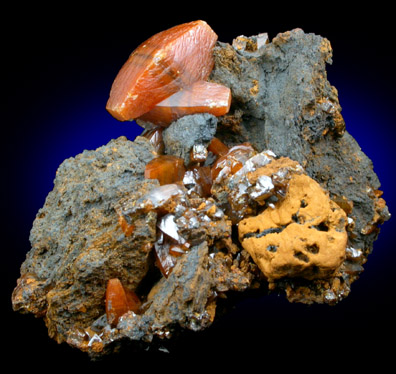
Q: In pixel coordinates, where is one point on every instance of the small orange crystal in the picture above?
(217, 147)
(233, 160)
(200, 97)
(166, 169)
(154, 135)
(119, 301)
(199, 180)
(159, 67)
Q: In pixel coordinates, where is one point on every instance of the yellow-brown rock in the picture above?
(303, 235)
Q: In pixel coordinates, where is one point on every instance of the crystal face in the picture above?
(200, 97)
(166, 169)
(161, 66)
(119, 301)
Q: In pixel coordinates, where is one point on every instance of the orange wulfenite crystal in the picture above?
(232, 161)
(166, 169)
(159, 67)
(119, 301)
(201, 97)
(199, 180)
(217, 147)
(154, 135)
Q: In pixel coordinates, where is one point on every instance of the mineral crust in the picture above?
(274, 195)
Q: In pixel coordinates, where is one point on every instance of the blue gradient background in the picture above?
(55, 108)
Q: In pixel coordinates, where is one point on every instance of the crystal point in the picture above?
(119, 301)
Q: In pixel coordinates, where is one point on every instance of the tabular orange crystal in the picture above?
(166, 169)
(119, 301)
(200, 97)
(199, 180)
(233, 160)
(159, 67)
(154, 135)
(217, 147)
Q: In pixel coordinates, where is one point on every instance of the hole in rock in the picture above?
(323, 226)
(301, 256)
(303, 203)
(152, 276)
(313, 248)
(272, 248)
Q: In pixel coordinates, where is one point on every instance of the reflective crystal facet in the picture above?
(200, 97)
(119, 301)
(232, 161)
(154, 135)
(161, 66)
(166, 169)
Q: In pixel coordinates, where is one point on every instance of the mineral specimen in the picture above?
(139, 240)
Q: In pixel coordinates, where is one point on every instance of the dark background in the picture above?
(59, 67)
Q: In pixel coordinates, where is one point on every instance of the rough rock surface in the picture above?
(183, 134)
(303, 235)
(77, 244)
(281, 101)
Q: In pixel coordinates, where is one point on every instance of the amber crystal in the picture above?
(217, 147)
(232, 161)
(164, 259)
(200, 97)
(199, 180)
(198, 153)
(154, 135)
(119, 301)
(166, 169)
(161, 66)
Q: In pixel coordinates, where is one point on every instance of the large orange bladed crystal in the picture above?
(201, 97)
(167, 62)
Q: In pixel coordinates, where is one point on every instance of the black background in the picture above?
(58, 67)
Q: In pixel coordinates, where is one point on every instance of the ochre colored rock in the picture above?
(304, 235)
(166, 169)
(161, 66)
(200, 97)
(119, 301)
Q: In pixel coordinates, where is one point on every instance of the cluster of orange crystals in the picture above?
(164, 79)
(184, 191)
